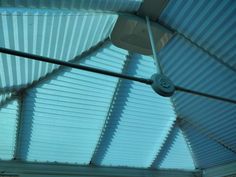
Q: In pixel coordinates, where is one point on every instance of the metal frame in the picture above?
(20, 167)
(105, 72)
(72, 65)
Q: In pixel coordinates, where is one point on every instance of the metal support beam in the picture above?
(206, 133)
(214, 97)
(72, 65)
(24, 168)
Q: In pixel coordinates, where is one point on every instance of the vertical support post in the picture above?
(153, 45)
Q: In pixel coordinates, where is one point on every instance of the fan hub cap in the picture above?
(162, 85)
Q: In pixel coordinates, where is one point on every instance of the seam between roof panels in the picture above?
(207, 134)
(113, 100)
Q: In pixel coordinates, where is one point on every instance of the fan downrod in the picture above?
(162, 85)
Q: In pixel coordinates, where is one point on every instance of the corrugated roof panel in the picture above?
(64, 117)
(57, 34)
(179, 155)
(207, 152)
(190, 67)
(217, 118)
(108, 5)
(211, 24)
(138, 122)
(8, 123)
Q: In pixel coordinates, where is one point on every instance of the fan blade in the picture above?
(181, 89)
(72, 65)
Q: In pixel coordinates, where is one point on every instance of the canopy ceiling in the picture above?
(56, 114)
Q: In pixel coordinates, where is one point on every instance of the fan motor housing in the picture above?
(162, 85)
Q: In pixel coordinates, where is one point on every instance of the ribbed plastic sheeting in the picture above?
(107, 5)
(138, 122)
(179, 155)
(64, 117)
(211, 24)
(210, 118)
(207, 152)
(190, 67)
(8, 123)
(59, 34)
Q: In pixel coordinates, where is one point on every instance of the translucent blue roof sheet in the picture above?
(207, 152)
(210, 24)
(215, 120)
(77, 117)
(59, 34)
(105, 5)
(64, 117)
(8, 123)
(138, 122)
(192, 68)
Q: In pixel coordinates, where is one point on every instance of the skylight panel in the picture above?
(64, 117)
(59, 34)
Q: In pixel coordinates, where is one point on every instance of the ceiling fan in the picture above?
(137, 33)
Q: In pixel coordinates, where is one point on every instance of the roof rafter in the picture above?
(206, 133)
(16, 155)
(189, 147)
(113, 100)
(166, 145)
